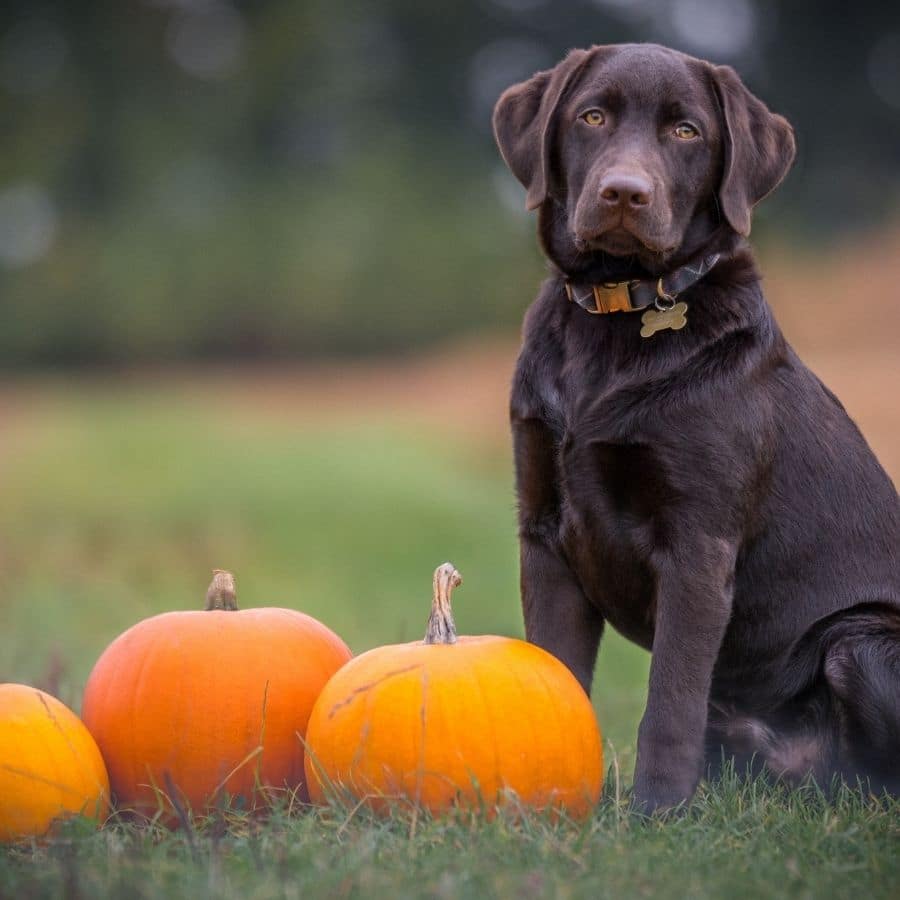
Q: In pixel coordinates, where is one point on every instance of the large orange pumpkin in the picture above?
(469, 720)
(50, 766)
(208, 703)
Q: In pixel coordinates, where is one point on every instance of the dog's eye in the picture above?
(593, 117)
(686, 131)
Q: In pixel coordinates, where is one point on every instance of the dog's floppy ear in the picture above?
(523, 124)
(759, 148)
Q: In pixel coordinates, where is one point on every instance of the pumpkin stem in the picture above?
(221, 593)
(441, 628)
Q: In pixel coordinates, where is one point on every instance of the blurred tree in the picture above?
(213, 178)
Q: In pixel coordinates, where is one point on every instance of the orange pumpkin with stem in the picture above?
(208, 703)
(50, 767)
(468, 720)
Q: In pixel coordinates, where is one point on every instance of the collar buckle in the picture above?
(608, 297)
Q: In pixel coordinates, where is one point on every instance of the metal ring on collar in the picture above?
(662, 295)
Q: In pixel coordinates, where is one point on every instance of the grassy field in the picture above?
(338, 496)
(735, 842)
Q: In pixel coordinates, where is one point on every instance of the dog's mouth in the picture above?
(618, 241)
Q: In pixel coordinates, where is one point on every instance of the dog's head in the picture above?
(639, 151)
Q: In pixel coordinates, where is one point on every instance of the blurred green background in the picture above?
(261, 271)
(196, 179)
(118, 502)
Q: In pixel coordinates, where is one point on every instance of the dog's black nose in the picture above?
(625, 189)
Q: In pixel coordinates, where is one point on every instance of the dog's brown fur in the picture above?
(701, 491)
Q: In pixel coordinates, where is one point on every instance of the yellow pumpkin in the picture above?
(50, 767)
(468, 720)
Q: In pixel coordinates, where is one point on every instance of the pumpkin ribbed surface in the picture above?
(209, 702)
(463, 722)
(50, 766)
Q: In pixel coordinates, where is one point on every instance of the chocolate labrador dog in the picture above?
(681, 474)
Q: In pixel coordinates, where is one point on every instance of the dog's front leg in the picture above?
(558, 617)
(693, 605)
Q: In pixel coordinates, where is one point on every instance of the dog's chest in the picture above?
(607, 532)
(612, 490)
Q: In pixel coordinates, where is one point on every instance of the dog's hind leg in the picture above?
(796, 742)
(863, 672)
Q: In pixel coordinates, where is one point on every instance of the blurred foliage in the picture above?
(208, 179)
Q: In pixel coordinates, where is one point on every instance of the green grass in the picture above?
(737, 841)
(116, 505)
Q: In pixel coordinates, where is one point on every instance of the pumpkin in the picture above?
(50, 766)
(471, 720)
(209, 703)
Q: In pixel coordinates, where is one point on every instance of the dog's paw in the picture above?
(659, 797)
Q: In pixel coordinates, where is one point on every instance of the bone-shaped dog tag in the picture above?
(659, 319)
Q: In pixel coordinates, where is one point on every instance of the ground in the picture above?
(337, 489)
